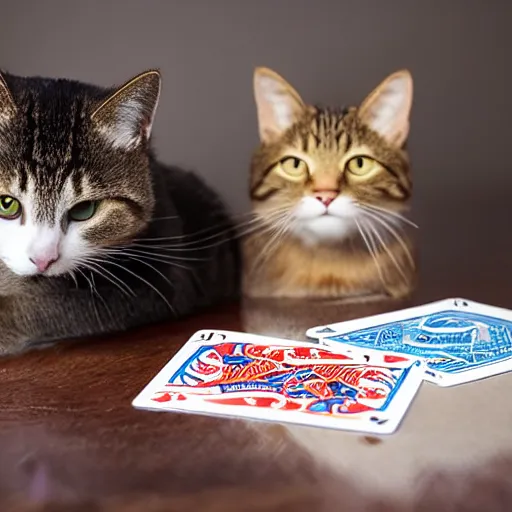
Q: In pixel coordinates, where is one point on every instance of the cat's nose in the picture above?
(326, 197)
(42, 263)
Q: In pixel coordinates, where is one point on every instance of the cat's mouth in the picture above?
(316, 221)
(326, 228)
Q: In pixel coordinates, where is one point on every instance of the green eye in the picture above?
(10, 208)
(83, 211)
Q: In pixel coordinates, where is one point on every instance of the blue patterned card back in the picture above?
(450, 341)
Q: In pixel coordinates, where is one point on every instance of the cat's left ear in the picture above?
(126, 117)
(386, 110)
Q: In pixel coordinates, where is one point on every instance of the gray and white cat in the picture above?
(96, 236)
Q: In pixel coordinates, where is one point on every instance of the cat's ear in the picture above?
(386, 110)
(7, 105)
(278, 104)
(125, 118)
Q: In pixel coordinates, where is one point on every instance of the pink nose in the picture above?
(326, 197)
(42, 263)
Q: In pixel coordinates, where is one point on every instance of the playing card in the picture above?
(460, 340)
(243, 375)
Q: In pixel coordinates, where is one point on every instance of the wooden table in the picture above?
(69, 436)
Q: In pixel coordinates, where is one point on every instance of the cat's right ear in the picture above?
(7, 105)
(126, 117)
(278, 104)
(387, 109)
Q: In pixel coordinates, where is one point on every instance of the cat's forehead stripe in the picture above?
(327, 131)
(47, 204)
(77, 182)
(74, 154)
(22, 176)
(52, 138)
(28, 134)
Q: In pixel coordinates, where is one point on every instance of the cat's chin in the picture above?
(55, 272)
(324, 229)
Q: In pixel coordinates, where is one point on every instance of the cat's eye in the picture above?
(83, 211)
(10, 207)
(361, 165)
(293, 168)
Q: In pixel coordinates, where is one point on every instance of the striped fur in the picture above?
(139, 258)
(297, 253)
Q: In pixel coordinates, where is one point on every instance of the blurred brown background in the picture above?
(334, 52)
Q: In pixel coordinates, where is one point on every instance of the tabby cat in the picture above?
(328, 187)
(96, 235)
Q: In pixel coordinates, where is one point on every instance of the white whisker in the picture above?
(397, 236)
(154, 288)
(277, 233)
(96, 312)
(166, 257)
(100, 297)
(398, 216)
(234, 228)
(174, 248)
(155, 269)
(92, 264)
(139, 257)
(387, 249)
(73, 276)
(372, 249)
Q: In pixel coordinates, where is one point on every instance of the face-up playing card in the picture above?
(241, 375)
(460, 340)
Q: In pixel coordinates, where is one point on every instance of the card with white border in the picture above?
(459, 340)
(224, 373)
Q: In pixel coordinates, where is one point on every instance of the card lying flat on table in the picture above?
(235, 374)
(459, 340)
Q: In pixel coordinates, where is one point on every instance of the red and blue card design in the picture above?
(255, 377)
(360, 375)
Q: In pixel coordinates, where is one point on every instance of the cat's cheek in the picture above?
(14, 248)
(73, 248)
